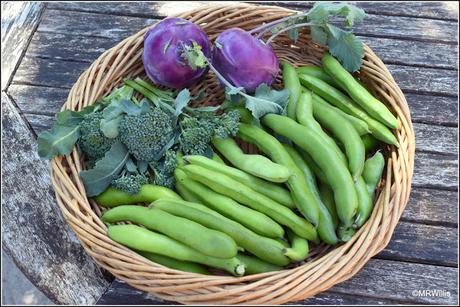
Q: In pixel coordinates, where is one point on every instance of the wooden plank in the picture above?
(48, 252)
(19, 20)
(87, 49)
(378, 282)
(435, 171)
(61, 21)
(37, 99)
(423, 244)
(436, 139)
(430, 206)
(437, 110)
(40, 123)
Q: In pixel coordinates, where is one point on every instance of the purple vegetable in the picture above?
(162, 55)
(244, 60)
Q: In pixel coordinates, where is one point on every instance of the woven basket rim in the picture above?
(337, 265)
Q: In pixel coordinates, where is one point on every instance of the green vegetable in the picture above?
(130, 183)
(139, 238)
(299, 248)
(147, 194)
(373, 170)
(327, 196)
(256, 165)
(335, 170)
(185, 193)
(275, 192)
(316, 72)
(305, 117)
(359, 93)
(325, 228)
(300, 192)
(370, 142)
(207, 241)
(365, 203)
(252, 219)
(292, 83)
(172, 263)
(343, 102)
(264, 248)
(254, 265)
(164, 169)
(217, 158)
(345, 133)
(241, 193)
(345, 234)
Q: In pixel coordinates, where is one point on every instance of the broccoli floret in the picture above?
(196, 135)
(93, 142)
(130, 184)
(227, 124)
(164, 170)
(146, 134)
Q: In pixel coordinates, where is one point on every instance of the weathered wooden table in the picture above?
(45, 47)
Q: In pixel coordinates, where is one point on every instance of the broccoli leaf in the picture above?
(131, 166)
(266, 100)
(348, 49)
(110, 127)
(59, 141)
(69, 118)
(98, 179)
(182, 100)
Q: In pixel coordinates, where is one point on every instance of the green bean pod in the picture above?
(207, 241)
(313, 166)
(256, 165)
(327, 196)
(148, 193)
(326, 228)
(292, 83)
(252, 219)
(269, 189)
(217, 158)
(299, 247)
(185, 193)
(345, 233)
(241, 193)
(345, 133)
(317, 72)
(343, 102)
(264, 248)
(335, 170)
(365, 203)
(372, 173)
(370, 142)
(139, 238)
(185, 266)
(254, 265)
(359, 93)
(302, 196)
(305, 117)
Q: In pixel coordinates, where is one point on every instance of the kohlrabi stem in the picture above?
(299, 25)
(266, 27)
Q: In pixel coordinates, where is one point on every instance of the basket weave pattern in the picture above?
(326, 265)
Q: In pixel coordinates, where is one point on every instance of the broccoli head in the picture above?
(164, 169)
(227, 124)
(93, 142)
(130, 184)
(196, 135)
(145, 135)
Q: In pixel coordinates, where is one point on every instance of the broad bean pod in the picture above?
(147, 194)
(256, 165)
(139, 238)
(327, 196)
(269, 189)
(292, 83)
(317, 72)
(207, 241)
(300, 192)
(335, 170)
(172, 263)
(264, 248)
(372, 173)
(241, 193)
(255, 265)
(343, 102)
(299, 248)
(365, 203)
(359, 93)
(370, 142)
(252, 219)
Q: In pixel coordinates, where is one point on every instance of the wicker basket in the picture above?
(325, 267)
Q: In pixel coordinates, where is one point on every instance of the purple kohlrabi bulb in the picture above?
(163, 46)
(244, 60)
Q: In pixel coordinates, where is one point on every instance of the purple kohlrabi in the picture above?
(163, 47)
(244, 60)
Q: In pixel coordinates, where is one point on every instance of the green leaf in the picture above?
(318, 35)
(110, 127)
(98, 179)
(142, 166)
(194, 56)
(336, 32)
(266, 100)
(348, 49)
(131, 166)
(182, 100)
(59, 141)
(68, 118)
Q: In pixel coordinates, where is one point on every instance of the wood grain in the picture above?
(34, 232)
(19, 20)
(436, 139)
(435, 171)
(436, 110)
